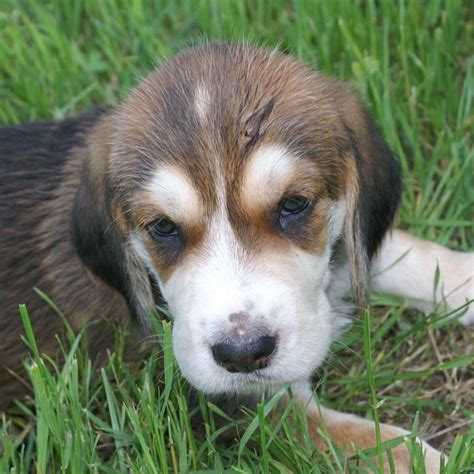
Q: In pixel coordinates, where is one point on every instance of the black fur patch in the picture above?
(96, 238)
(380, 185)
(36, 151)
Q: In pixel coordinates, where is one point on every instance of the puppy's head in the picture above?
(224, 185)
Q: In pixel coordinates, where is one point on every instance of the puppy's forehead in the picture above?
(202, 101)
(215, 108)
(212, 91)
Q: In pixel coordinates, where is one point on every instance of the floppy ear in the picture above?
(374, 191)
(100, 236)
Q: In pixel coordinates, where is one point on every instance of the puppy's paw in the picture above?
(351, 433)
(467, 317)
(458, 286)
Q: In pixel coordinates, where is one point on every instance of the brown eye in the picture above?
(163, 228)
(292, 212)
(293, 205)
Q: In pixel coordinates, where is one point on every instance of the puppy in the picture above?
(236, 187)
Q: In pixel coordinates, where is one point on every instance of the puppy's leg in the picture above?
(406, 265)
(350, 432)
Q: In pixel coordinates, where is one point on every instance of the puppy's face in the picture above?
(232, 174)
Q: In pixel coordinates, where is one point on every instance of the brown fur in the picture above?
(37, 253)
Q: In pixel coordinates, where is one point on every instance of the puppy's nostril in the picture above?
(244, 355)
(265, 346)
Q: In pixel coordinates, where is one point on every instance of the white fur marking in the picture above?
(285, 295)
(140, 249)
(202, 101)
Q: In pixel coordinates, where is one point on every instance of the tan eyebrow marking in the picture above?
(267, 175)
(174, 194)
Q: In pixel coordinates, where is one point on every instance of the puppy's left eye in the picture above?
(292, 211)
(293, 205)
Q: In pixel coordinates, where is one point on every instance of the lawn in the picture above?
(411, 62)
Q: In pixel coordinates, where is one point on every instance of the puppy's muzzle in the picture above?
(244, 355)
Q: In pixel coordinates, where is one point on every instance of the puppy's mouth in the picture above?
(251, 382)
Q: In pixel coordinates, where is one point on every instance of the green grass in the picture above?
(412, 64)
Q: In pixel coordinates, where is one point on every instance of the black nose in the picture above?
(244, 356)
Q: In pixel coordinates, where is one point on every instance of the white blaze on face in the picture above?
(281, 293)
(202, 102)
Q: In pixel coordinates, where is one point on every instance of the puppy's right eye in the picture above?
(293, 205)
(163, 228)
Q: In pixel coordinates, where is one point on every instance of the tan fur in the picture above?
(350, 432)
